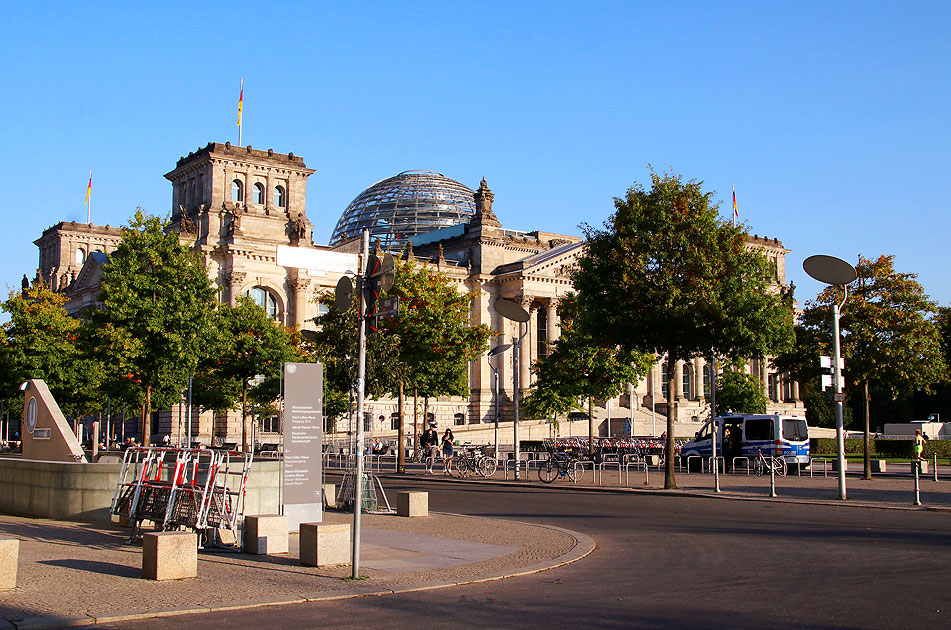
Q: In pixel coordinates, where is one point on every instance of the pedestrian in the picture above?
(447, 439)
(430, 445)
(166, 440)
(920, 441)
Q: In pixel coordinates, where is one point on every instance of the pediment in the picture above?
(556, 262)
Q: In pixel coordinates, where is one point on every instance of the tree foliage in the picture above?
(739, 392)
(890, 339)
(40, 340)
(666, 275)
(579, 367)
(157, 299)
(245, 343)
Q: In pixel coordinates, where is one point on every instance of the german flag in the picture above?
(241, 102)
(736, 213)
(88, 189)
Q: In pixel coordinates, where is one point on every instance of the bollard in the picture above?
(772, 480)
(916, 466)
(936, 467)
(646, 474)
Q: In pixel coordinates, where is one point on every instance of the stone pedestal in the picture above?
(324, 544)
(411, 503)
(265, 533)
(330, 495)
(169, 555)
(878, 465)
(922, 467)
(9, 557)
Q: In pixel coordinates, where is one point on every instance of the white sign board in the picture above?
(317, 261)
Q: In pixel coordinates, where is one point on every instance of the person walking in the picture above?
(430, 444)
(447, 439)
(920, 441)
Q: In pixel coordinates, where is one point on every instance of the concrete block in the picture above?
(878, 465)
(412, 503)
(9, 557)
(265, 533)
(330, 495)
(653, 460)
(325, 544)
(922, 467)
(169, 555)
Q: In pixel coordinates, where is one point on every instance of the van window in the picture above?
(759, 429)
(704, 434)
(795, 430)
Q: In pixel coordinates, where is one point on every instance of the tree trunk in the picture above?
(865, 441)
(591, 429)
(400, 450)
(670, 476)
(146, 412)
(415, 421)
(244, 420)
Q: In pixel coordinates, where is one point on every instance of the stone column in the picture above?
(698, 379)
(525, 352)
(679, 379)
(795, 391)
(299, 286)
(268, 193)
(764, 377)
(235, 281)
(552, 321)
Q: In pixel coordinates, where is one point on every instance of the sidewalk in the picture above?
(885, 491)
(80, 574)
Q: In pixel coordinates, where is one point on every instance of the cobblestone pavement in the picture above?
(76, 573)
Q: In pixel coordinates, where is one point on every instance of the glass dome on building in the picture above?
(402, 206)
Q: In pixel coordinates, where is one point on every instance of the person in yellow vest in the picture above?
(919, 444)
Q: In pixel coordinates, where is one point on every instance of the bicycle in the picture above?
(560, 466)
(762, 465)
(471, 461)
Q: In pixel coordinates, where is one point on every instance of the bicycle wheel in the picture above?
(459, 467)
(575, 473)
(781, 467)
(759, 466)
(548, 472)
(487, 466)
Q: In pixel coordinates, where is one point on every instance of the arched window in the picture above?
(258, 193)
(237, 190)
(265, 299)
(80, 255)
(279, 196)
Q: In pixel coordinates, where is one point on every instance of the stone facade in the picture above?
(238, 205)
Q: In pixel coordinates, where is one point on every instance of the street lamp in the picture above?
(495, 376)
(514, 312)
(836, 272)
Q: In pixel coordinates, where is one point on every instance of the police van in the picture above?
(773, 434)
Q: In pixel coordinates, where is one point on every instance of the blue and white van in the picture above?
(773, 434)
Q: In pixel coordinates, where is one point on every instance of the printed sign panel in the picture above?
(303, 442)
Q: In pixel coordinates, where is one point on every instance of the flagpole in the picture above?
(240, 108)
(89, 199)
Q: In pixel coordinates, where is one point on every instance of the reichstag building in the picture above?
(238, 205)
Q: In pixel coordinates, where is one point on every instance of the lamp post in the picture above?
(514, 312)
(495, 376)
(837, 272)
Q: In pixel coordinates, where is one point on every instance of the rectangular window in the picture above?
(270, 425)
(541, 331)
(795, 430)
(459, 419)
(395, 421)
(759, 429)
(367, 421)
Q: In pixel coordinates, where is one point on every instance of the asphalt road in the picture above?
(667, 562)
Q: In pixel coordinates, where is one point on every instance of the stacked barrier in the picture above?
(182, 488)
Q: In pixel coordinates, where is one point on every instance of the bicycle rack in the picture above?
(607, 464)
(825, 466)
(582, 464)
(746, 459)
(690, 457)
(522, 463)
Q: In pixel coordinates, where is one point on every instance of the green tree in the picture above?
(580, 367)
(888, 334)
(158, 299)
(740, 392)
(246, 343)
(40, 340)
(435, 339)
(666, 275)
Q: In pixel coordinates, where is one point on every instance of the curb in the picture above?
(584, 546)
(692, 494)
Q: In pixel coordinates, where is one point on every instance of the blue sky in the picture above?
(829, 118)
